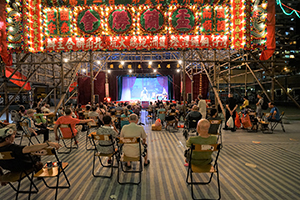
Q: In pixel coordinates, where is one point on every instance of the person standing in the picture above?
(259, 106)
(202, 106)
(231, 107)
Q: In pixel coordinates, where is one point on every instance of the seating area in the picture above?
(248, 169)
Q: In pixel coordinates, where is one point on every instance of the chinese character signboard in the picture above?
(82, 25)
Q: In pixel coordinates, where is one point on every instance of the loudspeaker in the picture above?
(189, 97)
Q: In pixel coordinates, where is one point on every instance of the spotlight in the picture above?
(122, 62)
(178, 70)
(66, 59)
(98, 62)
(180, 62)
(108, 71)
(83, 70)
(130, 70)
(150, 63)
(154, 70)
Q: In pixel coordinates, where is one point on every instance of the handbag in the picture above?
(230, 122)
(237, 121)
(246, 121)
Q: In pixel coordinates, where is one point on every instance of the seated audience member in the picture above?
(213, 129)
(60, 111)
(79, 111)
(161, 113)
(129, 109)
(22, 161)
(151, 109)
(134, 130)
(201, 158)
(101, 111)
(40, 119)
(124, 118)
(119, 109)
(68, 119)
(245, 103)
(94, 112)
(172, 115)
(47, 108)
(106, 129)
(28, 118)
(193, 114)
(274, 115)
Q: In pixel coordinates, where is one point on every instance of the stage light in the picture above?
(122, 62)
(108, 71)
(98, 62)
(66, 59)
(150, 63)
(83, 70)
(154, 70)
(178, 70)
(180, 62)
(130, 71)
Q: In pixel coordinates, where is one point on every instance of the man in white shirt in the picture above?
(134, 130)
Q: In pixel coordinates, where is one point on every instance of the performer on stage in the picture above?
(144, 94)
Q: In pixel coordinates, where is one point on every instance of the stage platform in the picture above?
(252, 166)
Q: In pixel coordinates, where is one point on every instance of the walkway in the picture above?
(252, 166)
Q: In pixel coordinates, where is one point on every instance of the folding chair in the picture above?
(67, 138)
(273, 124)
(26, 133)
(92, 129)
(53, 172)
(205, 168)
(124, 158)
(217, 122)
(11, 177)
(100, 138)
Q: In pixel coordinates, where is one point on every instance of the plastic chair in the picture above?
(54, 171)
(11, 177)
(204, 168)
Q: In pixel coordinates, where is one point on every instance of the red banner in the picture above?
(237, 14)
(271, 43)
(137, 42)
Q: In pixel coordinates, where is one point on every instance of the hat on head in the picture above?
(5, 132)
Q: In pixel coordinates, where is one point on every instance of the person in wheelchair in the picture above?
(192, 118)
(213, 129)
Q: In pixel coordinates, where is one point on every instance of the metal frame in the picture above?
(59, 70)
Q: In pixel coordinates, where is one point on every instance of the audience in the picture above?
(134, 130)
(124, 117)
(201, 158)
(193, 114)
(213, 129)
(68, 119)
(22, 160)
(274, 115)
(31, 128)
(107, 129)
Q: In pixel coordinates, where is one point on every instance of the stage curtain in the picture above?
(120, 81)
(271, 42)
(6, 57)
(170, 87)
(128, 83)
